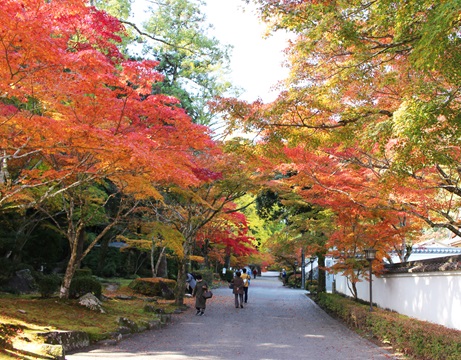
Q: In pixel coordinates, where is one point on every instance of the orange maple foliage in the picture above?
(70, 100)
(74, 110)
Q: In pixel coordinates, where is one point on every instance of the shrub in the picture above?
(83, 273)
(48, 284)
(416, 339)
(207, 275)
(82, 285)
(312, 286)
(294, 281)
(228, 276)
(152, 286)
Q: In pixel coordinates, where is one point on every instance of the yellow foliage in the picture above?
(196, 258)
(140, 186)
(157, 234)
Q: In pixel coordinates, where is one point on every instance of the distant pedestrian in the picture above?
(200, 302)
(246, 284)
(255, 272)
(190, 281)
(284, 276)
(238, 291)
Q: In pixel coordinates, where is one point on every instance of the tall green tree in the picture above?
(192, 61)
(176, 33)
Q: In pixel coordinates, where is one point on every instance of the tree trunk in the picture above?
(160, 261)
(102, 255)
(152, 266)
(162, 270)
(322, 284)
(205, 253)
(182, 269)
(181, 283)
(70, 270)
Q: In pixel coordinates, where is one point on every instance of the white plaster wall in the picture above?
(432, 296)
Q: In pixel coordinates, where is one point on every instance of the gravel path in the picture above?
(277, 323)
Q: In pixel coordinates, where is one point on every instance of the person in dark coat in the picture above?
(238, 290)
(200, 302)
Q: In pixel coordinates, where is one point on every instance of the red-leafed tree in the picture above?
(74, 112)
(377, 83)
(226, 236)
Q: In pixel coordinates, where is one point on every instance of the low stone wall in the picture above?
(55, 344)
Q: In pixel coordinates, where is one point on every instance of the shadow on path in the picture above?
(277, 323)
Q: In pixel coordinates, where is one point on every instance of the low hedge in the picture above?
(48, 284)
(417, 339)
(207, 275)
(82, 285)
(153, 286)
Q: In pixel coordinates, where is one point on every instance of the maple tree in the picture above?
(198, 211)
(226, 236)
(74, 111)
(369, 118)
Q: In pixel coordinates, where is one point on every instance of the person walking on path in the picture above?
(246, 283)
(255, 272)
(200, 302)
(238, 291)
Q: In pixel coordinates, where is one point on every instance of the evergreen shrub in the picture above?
(227, 276)
(48, 284)
(86, 272)
(312, 286)
(294, 281)
(82, 285)
(152, 286)
(207, 275)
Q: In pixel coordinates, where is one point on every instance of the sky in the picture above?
(256, 63)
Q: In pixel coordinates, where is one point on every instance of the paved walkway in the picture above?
(277, 323)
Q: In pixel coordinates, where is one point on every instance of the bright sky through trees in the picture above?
(256, 63)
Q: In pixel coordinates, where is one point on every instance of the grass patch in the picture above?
(25, 315)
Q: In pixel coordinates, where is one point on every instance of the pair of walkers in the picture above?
(240, 284)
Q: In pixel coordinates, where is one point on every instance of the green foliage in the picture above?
(416, 339)
(82, 285)
(6, 269)
(260, 228)
(48, 284)
(207, 275)
(312, 287)
(294, 281)
(109, 266)
(118, 8)
(268, 205)
(152, 286)
(228, 276)
(193, 63)
(83, 273)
